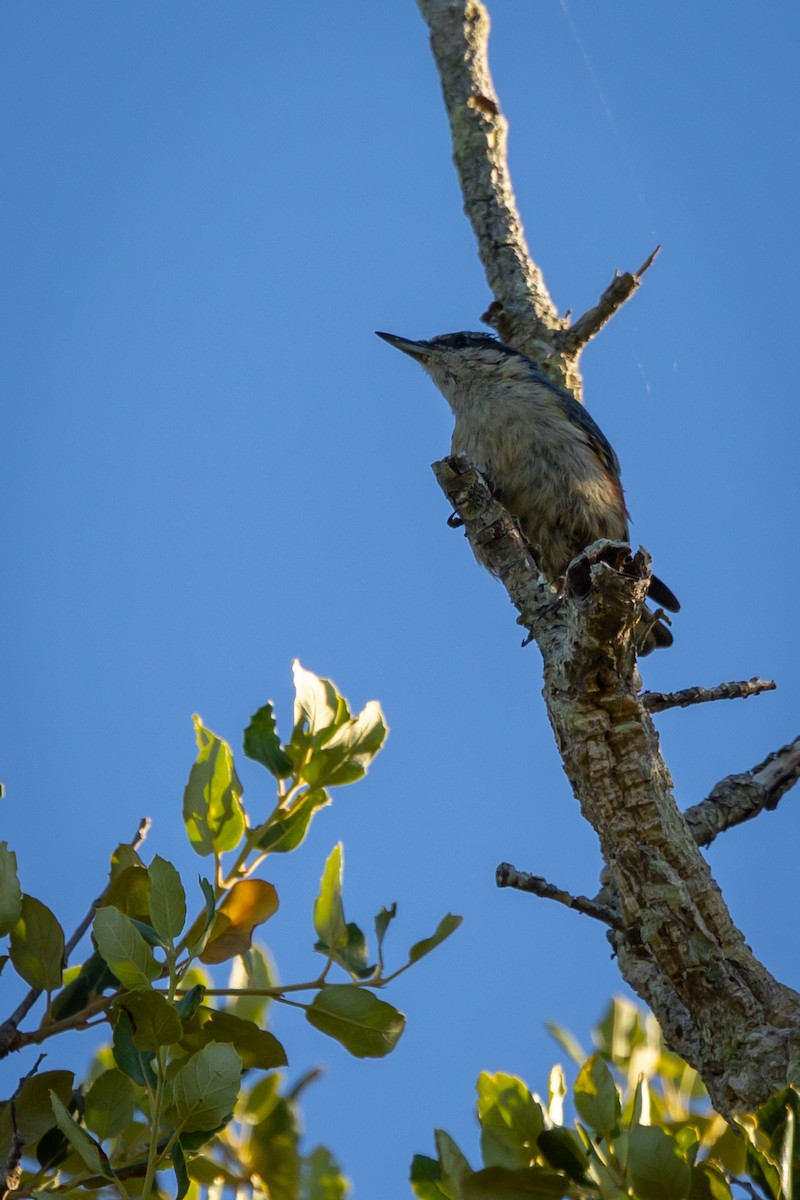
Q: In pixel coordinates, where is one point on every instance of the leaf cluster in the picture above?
(175, 1089)
(643, 1130)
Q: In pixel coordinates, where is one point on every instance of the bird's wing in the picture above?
(578, 415)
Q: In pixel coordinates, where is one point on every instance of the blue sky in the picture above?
(212, 466)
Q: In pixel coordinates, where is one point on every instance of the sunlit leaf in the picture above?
(248, 904)
(329, 919)
(36, 945)
(596, 1096)
(212, 809)
(252, 971)
(511, 1121)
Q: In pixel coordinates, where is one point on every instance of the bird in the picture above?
(547, 460)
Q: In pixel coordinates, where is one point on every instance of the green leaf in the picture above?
(200, 931)
(596, 1096)
(273, 1152)
(655, 1166)
(182, 1180)
(255, 1047)
(205, 1087)
(109, 1104)
(287, 831)
(383, 920)
(137, 1064)
(563, 1151)
(366, 1026)
(154, 1021)
(86, 1147)
(252, 971)
(167, 899)
(212, 809)
(129, 891)
(10, 894)
(37, 945)
(124, 949)
(346, 756)
(262, 744)
(33, 1107)
(531, 1183)
(319, 710)
(510, 1119)
(427, 1179)
(454, 1164)
(321, 1177)
(448, 924)
(353, 955)
(568, 1042)
(709, 1183)
(328, 910)
(90, 980)
(187, 1004)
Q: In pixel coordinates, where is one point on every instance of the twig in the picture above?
(735, 690)
(739, 798)
(537, 885)
(11, 1174)
(571, 341)
(8, 1030)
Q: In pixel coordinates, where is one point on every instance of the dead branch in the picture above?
(621, 288)
(735, 690)
(739, 798)
(508, 876)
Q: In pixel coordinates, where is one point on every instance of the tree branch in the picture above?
(537, 885)
(621, 288)
(676, 944)
(735, 690)
(739, 798)
(523, 313)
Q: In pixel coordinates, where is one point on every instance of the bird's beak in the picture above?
(417, 350)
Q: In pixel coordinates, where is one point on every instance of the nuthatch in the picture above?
(547, 460)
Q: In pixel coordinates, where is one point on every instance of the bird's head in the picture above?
(462, 364)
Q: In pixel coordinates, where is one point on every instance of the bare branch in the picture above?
(620, 290)
(735, 690)
(537, 885)
(739, 798)
(523, 312)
